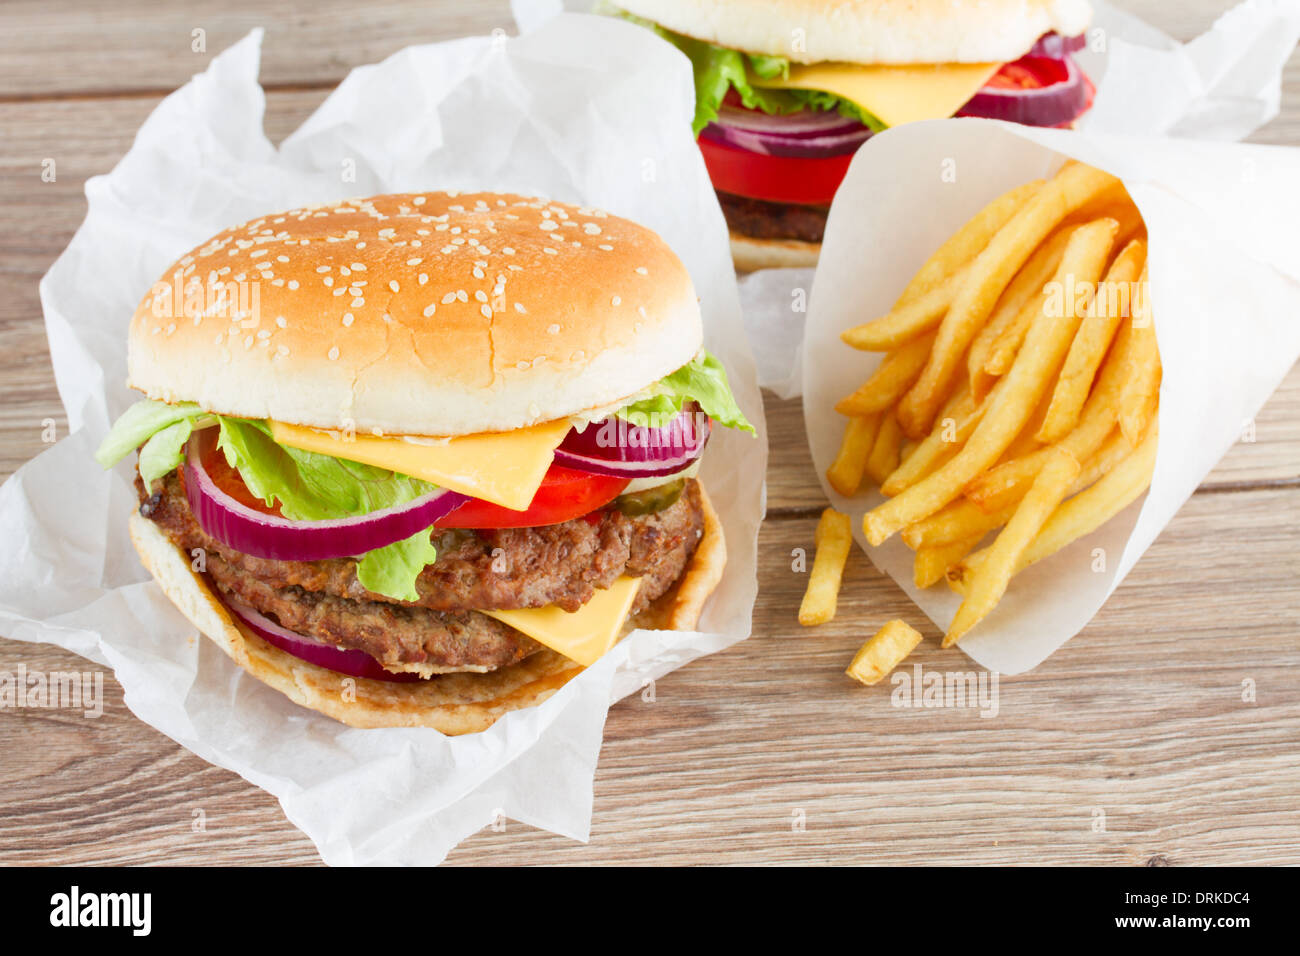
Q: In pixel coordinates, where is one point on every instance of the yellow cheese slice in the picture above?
(505, 468)
(893, 94)
(586, 633)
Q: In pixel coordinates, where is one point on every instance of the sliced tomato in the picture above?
(565, 494)
(1029, 73)
(796, 179)
(231, 482)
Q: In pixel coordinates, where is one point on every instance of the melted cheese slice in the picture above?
(505, 468)
(893, 94)
(586, 633)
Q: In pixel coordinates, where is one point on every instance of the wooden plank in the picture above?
(143, 45)
(1141, 717)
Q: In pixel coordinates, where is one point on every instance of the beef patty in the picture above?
(475, 570)
(759, 219)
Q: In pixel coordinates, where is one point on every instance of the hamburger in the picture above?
(787, 90)
(416, 460)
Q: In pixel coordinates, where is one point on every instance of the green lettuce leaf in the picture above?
(138, 424)
(703, 380)
(392, 570)
(718, 69)
(165, 450)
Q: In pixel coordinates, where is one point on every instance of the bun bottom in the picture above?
(749, 254)
(451, 703)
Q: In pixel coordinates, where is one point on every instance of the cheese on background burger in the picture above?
(787, 90)
(442, 447)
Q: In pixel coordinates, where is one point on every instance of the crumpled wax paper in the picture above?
(1223, 85)
(1224, 260)
(588, 110)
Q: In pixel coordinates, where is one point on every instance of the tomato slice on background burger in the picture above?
(794, 179)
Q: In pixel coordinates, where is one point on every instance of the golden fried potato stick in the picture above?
(1110, 306)
(845, 472)
(1080, 515)
(906, 322)
(951, 429)
(962, 518)
(884, 453)
(890, 380)
(884, 651)
(832, 538)
(931, 562)
(1142, 382)
(986, 585)
(1005, 483)
(963, 245)
(1019, 300)
(1014, 399)
(989, 274)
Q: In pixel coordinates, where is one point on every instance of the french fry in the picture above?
(955, 521)
(832, 538)
(1020, 295)
(845, 472)
(988, 275)
(1142, 381)
(1080, 515)
(932, 561)
(962, 245)
(905, 322)
(905, 451)
(883, 651)
(884, 453)
(953, 426)
(996, 488)
(1014, 399)
(890, 380)
(989, 580)
(1110, 306)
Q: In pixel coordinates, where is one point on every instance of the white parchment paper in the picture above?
(556, 113)
(1224, 258)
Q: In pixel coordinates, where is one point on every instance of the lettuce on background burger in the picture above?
(787, 90)
(443, 447)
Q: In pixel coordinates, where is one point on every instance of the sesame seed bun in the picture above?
(451, 703)
(871, 31)
(422, 314)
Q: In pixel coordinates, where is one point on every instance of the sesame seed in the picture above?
(519, 307)
(358, 267)
(293, 283)
(281, 258)
(281, 321)
(418, 200)
(413, 262)
(508, 251)
(392, 284)
(263, 334)
(461, 294)
(591, 229)
(486, 310)
(430, 309)
(322, 269)
(642, 271)
(549, 251)
(358, 302)
(553, 328)
(548, 225)
(424, 277)
(616, 301)
(478, 273)
(605, 247)
(348, 318)
(334, 353)
(449, 298)
(282, 350)
(480, 295)
(329, 281)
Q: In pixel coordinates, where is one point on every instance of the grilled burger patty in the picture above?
(475, 570)
(760, 219)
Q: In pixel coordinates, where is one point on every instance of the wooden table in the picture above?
(1138, 722)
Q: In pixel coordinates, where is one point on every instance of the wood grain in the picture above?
(1140, 718)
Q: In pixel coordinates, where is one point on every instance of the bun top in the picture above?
(420, 314)
(871, 31)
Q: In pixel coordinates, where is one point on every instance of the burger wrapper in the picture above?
(1224, 264)
(557, 113)
(1223, 85)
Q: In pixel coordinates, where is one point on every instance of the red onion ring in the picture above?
(1053, 46)
(615, 446)
(1052, 105)
(804, 133)
(272, 536)
(353, 663)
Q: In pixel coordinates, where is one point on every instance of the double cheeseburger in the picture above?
(787, 90)
(415, 460)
